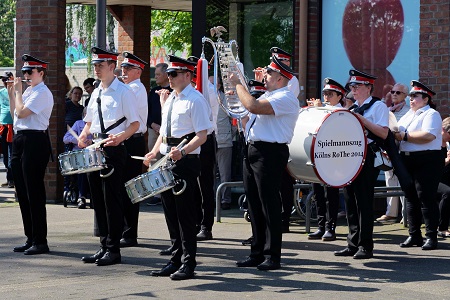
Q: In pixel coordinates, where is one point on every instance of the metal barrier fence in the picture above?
(380, 192)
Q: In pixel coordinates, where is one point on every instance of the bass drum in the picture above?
(329, 146)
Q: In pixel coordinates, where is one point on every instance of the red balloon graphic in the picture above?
(372, 31)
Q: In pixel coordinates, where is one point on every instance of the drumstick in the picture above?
(99, 143)
(164, 159)
(141, 158)
(73, 133)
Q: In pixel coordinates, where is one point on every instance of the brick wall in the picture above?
(134, 34)
(434, 63)
(41, 33)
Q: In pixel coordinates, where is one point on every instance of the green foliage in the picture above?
(172, 30)
(7, 14)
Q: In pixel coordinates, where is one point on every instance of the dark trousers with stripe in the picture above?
(30, 154)
(205, 192)
(107, 196)
(328, 203)
(359, 205)
(181, 213)
(135, 147)
(262, 175)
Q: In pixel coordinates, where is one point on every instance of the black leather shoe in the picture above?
(345, 252)
(248, 241)
(269, 264)
(183, 273)
(22, 248)
(250, 262)
(167, 251)
(430, 244)
(168, 270)
(412, 242)
(204, 235)
(316, 235)
(37, 249)
(124, 243)
(91, 259)
(363, 254)
(109, 259)
(329, 236)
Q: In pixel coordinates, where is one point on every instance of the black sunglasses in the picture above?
(174, 74)
(396, 92)
(29, 72)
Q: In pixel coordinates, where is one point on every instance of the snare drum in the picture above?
(149, 184)
(329, 146)
(81, 161)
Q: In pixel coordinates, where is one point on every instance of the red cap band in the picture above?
(281, 71)
(416, 89)
(133, 62)
(359, 79)
(104, 57)
(333, 87)
(34, 64)
(182, 65)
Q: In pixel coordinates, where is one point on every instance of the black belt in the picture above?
(210, 136)
(264, 143)
(136, 135)
(417, 153)
(30, 131)
(171, 141)
(98, 136)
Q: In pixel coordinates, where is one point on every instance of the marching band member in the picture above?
(31, 113)
(333, 93)
(184, 116)
(268, 131)
(420, 139)
(132, 68)
(109, 113)
(374, 115)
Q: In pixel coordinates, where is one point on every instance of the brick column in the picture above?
(41, 33)
(134, 33)
(434, 50)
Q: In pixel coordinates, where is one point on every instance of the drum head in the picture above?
(339, 148)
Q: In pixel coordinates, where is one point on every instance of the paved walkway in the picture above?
(309, 269)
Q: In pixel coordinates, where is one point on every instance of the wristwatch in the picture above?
(183, 153)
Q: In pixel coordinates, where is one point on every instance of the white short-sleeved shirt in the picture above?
(277, 128)
(378, 114)
(115, 104)
(423, 119)
(189, 114)
(141, 104)
(39, 100)
(294, 86)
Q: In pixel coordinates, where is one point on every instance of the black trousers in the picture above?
(180, 212)
(426, 170)
(135, 147)
(107, 196)
(204, 194)
(359, 206)
(262, 175)
(443, 197)
(30, 154)
(287, 197)
(329, 204)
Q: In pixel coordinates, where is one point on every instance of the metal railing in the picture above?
(380, 192)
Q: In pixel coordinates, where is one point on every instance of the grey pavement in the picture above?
(309, 268)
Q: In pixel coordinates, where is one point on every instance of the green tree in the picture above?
(172, 29)
(7, 14)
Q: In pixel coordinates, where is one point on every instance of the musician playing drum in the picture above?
(374, 115)
(268, 131)
(333, 93)
(109, 112)
(184, 116)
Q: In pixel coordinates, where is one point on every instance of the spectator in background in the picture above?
(224, 150)
(74, 110)
(154, 116)
(81, 178)
(6, 133)
(399, 108)
(444, 186)
(89, 86)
